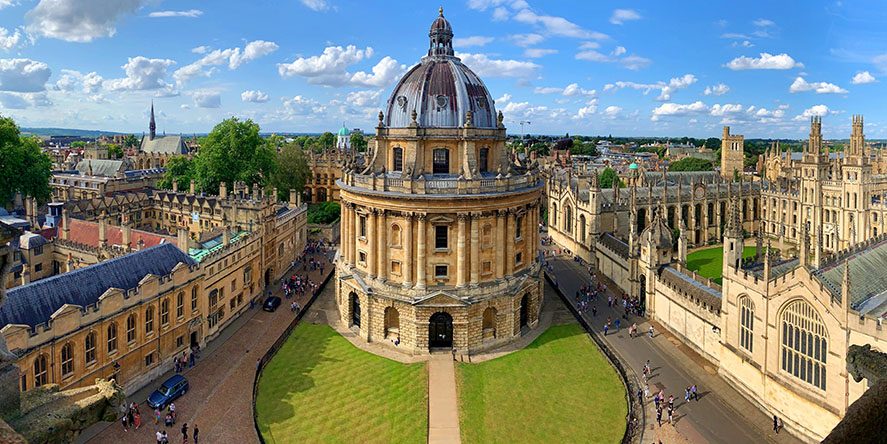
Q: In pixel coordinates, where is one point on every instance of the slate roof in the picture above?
(164, 145)
(34, 303)
(87, 233)
(867, 281)
(696, 290)
(614, 244)
(106, 168)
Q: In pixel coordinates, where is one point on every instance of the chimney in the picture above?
(193, 186)
(103, 237)
(226, 236)
(175, 186)
(223, 191)
(298, 199)
(66, 225)
(18, 200)
(274, 195)
(182, 241)
(293, 193)
(140, 245)
(26, 274)
(126, 232)
(70, 263)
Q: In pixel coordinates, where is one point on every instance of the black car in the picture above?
(271, 304)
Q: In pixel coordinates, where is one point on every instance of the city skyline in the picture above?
(647, 70)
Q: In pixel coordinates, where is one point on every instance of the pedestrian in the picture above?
(646, 391)
(651, 332)
(778, 425)
(130, 417)
(157, 415)
(640, 396)
(693, 393)
(670, 414)
(168, 421)
(138, 419)
(165, 438)
(687, 394)
(159, 436)
(172, 411)
(258, 363)
(195, 433)
(185, 431)
(594, 310)
(454, 354)
(605, 329)
(659, 415)
(125, 426)
(656, 400)
(775, 424)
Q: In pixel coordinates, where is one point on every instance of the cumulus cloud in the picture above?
(300, 106)
(204, 98)
(588, 51)
(327, 69)
(587, 110)
(254, 96)
(384, 73)
(526, 39)
(192, 13)
(523, 110)
(612, 110)
(23, 75)
(727, 108)
(816, 110)
(487, 67)
(666, 90)
(9, 41)
(676, 109)
(535, 53)
(862, 78)
(475, 40)
(72, 80)
(251, 51)
(635, 63)
(765, 61)
(621, 16)
(500, 14)
(573, 90)
(200, 49)
(316, 5)
(364, 99)
(717, 90)
(142, 73)
(78, 20)
(233, 57)
(558, 26)
(801, 85)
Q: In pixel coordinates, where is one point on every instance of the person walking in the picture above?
(605, 329)
(687, 394)
(693, 393)
(195, 433)
(775, 424)
(125, 425)
(659, 416)
(641, 396)
(646, 391)
(157, 415)
(185, 431)
(138, 419)
(159, 436)
(670, 415)
(651, 332)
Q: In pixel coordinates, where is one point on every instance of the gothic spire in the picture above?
(152, 126)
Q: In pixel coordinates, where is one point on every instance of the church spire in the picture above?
(152, 127)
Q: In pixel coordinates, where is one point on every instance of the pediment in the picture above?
(441, 220)
(441, 299)
(65, 309)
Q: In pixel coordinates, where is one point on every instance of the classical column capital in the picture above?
(462, 216)
(475, 215)
(420, 217)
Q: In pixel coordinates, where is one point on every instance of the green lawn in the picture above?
(321, 389)
(560, 389)
(710, 262)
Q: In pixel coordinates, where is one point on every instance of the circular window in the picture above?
(481, 102)
(441, 100)
(402, 102)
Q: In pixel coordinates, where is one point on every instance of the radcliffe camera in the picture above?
(475, 221)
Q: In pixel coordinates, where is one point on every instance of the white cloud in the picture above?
(523, 110)
(535, 53)
(504, 99)
(200, 49)
(327, 69)
(475, 40)
(7, 3)
(587, 110)
(765, 61)
(763, 22)
(300, 106)
(487, 67)
(500, 14)
(744, 44)
(142, 73)
(206, 98)
(635, 63)
(233, 57)
(816, 110)
(593, 56)
(612, 110)
(573, 90)
(526, 39)
(9, 41)
(621, 16)
(78, 20)
(676, 109)
(23, 75)
(801, 85)
(734, 35)
(384, 73)
(717, 90)
(364, 99)
(17, 100)
(547, 90)
(192, 13)
(254, 96)
(862, 78)
(316, 5)
(558, 26)
(72, 80)
(252, 51)
(665, 89)
(618, 51)
(727, 108)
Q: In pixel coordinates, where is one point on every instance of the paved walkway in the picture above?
(720, 415)
(443, 407)
(219, 400)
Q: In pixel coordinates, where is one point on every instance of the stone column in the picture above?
(420, 263)
(382, 234)
(371, 237)
(460, 251)
(343, 232)
(408, 252)
(510, 231)
(475, 249)
(500, 244)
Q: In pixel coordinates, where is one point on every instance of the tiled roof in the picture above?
(87, 233)
(34, 303)
(106, 168)
(866, 278)
(696, 290)
(614, 244)
(199, 254)
(164, 145)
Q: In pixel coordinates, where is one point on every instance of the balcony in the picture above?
(440, 184)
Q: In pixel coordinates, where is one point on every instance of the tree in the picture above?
(358, 142)
(540, 148)
(607, 177)
(326, 140)
(23, 166)
(180, 170)
(115, 151)
(325, 213)
(691, 164)
(234, 151)
(712, 143)
(130, 141)
(292, 170)
(78, 144)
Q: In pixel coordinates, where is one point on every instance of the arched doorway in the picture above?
(523, 311)
(355, 310)
(194, 340)
(267, 277)
(440, 330)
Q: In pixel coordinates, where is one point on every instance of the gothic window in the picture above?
(112, 338)
(804, 343)
(67, 360)
(89, 348)
(40, 371)
(582, 228)
(482, 158)
(441, 161)
(746, 323)
(568, 219)
(131, 328)
(397, 155)
(553, 215)
(149, 320)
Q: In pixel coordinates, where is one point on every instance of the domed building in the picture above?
(343, 138)
(439, 227)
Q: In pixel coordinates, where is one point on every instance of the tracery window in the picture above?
(746, 323)
(804, 343)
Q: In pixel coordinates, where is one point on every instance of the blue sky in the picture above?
(648, 68)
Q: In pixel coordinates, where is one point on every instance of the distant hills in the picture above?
(67, 132)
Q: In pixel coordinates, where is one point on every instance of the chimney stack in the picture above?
(226, 236)
(223, 191)
(182, 241)
(66, 225)
(103, 237)
(126, 232)
(175, 186)
(274, 195)
(293, 193)
(193, 186)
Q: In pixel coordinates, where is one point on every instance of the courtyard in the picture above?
(710, 262)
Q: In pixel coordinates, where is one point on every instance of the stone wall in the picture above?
(697, 326)
(325, 232)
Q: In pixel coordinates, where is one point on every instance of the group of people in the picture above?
(163, 438)
(662, 405)
(132, 418)
(298, 285)
(187, 360)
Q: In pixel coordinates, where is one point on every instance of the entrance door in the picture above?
(267, 277)
(523, 311)
(440, 330)
(355, 310)
(194, 339)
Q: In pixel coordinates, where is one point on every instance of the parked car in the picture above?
(170, 390)
(271, 304)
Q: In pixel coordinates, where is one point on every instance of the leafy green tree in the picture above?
(180, 170)
(304, 141)
(358, 142)
(292, 170)
(712, 143)
(78, 144)
(234, 151)
(608, 177)
(540, 148)
(691, 164)
(324, 213)
(130, 141)
(115, 151)
(326, 140)
(23, 166)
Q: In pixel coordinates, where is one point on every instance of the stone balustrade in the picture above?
(431, 184)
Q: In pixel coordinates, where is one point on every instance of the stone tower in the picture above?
(732, 153)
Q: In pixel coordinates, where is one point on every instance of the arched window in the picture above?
(67, 360)
(164, 312)
(568, 219)
(746, 322)
(804, 343)
(394, 238)
(194, 291)
(483, 159)
(553, 215)
(149, 320)
(112, 337)
(582, 228)
(180, 303)
(131, 328)
(397, 159)
(89, 348)
(40, 371)
(440, 161)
